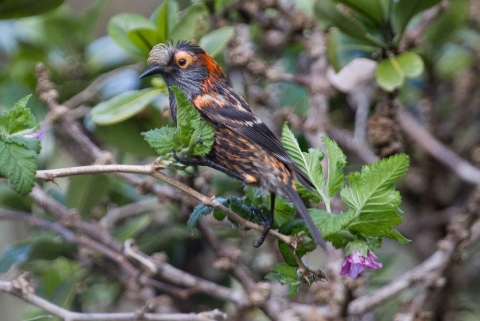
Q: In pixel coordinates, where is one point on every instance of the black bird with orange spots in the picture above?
(244, 148)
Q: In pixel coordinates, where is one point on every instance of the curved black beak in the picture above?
(154, 70)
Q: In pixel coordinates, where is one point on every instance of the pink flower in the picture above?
(37, 135)
(355, 263)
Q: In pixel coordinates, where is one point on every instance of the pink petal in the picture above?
(37, 135)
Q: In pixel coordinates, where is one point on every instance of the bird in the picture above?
(244, 147)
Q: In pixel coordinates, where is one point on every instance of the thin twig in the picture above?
(22, 289)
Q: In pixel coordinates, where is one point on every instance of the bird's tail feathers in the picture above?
(302, 209)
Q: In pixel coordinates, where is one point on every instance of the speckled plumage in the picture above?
(244, 148)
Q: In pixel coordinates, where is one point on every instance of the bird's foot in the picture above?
(189, 160)
(267, 224)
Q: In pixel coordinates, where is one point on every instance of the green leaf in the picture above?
(144, 38)
(161, 139)
(373, 224)
(285, 274)
(294, 227)
(160, 19)
(19, 164)
(405, 10)
(328, 15)
(330, 224)
(121, 25)
(254, 195)
(199, 211)
(85, 192)
(133, 228)
(12, 9)
(358, 246)
(371, 9)
(373, 190)
(284, 211)
(342, 49)
(336, 163)
(202, 139)
(192, 25)
(292, 147)
(391, 72)
(214, 41)
(18, 119)
(189, 123)
(309, 163)
(123, 106)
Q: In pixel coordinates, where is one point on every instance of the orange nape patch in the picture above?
(183, 59)
(249, 179)
(213, 68)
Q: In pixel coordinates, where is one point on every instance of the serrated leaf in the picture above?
(336, 163)
(161, 139)
(192, 25)
(18, 164)
(291, 145)
(373, 190)
(285, 274)
(309, 163)
(330, 224)
(284, 211)
(17, 119)
(199, 211)
(254, 195)
(123, 106)
(202, 139)
(294, 227)
(214, 41)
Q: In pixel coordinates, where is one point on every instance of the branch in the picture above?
(22, 289)
(465, 170)
(151, 170)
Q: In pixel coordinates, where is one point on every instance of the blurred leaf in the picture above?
(10, 9)
(405, 10)
(84, 192)
(132, 228)
(391, 72)
(372, 9)
(193, 24)
(123, 106)
(10, 199)
(164, 18)
(127, 30)
(65, 292)
(328, 15)
(453, 60)
(14, 255)
(446, 25)
(125, 136)
(214, 41)
(199, 211)
(342, 49)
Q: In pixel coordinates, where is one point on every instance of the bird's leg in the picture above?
(204, 161)
(267, 223)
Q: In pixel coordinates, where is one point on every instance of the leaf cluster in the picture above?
(18, 153)
(191, 137)
(372, 29)
(137, 35)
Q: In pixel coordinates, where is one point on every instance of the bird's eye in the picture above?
(182, 62)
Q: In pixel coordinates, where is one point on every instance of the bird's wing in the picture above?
(234, 113)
